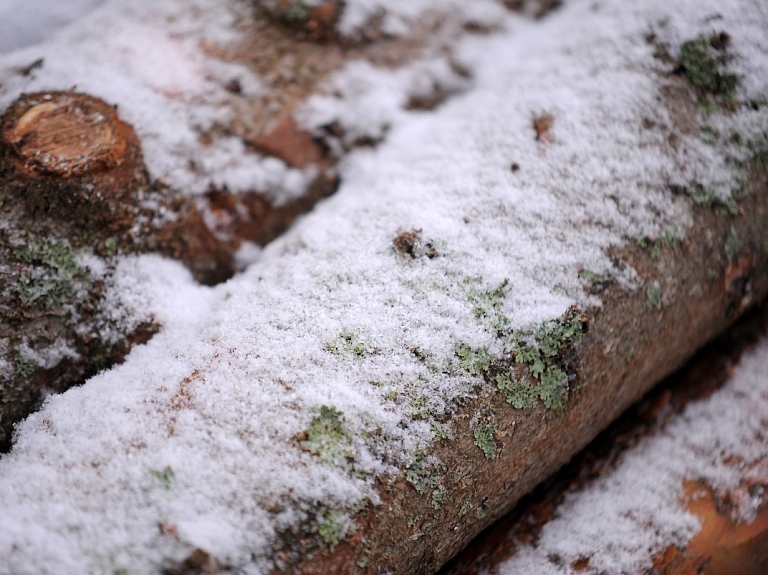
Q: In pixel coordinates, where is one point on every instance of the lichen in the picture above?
(485, 438)
(163, 478)
(328, 439)
(438, 495)
(51, 279)
(653, 297)
(331, 528)
(348, 344)
(540, 350)
(704, 61)
(522, 395)
(420, 473)
(465, 506)
(707, 197)
(487, 304)
(473, 361)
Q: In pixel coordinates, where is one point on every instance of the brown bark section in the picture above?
(723, 548)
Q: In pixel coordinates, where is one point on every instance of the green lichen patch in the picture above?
(420, 473)
(23, 366)
(540, 351)
(670, 239)
(733, 244)
(348, 344)
(328, 438)
(465, 506)
(521, 394)
(485, 437)
(487, 304)
(653, 296)
(332, 528)
(163, 478)
(473, 361)
(437, 497)
(707, 196)
(50, 275)
(595, 282)
(704, 61)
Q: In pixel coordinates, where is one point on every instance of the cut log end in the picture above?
(64, 134)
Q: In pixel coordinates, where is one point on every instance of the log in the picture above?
(732, 531)
(73, 179)
(490, 287)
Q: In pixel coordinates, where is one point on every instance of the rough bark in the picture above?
(721, 547)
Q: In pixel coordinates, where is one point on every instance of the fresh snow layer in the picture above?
(26, 22)
(636, 510)
(192, 441)
(148, 57)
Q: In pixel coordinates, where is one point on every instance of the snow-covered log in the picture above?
(536, 221)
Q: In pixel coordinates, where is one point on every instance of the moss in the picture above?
(52, 279)
(328, 439)
(413, 521)
(331, 528)
(733, 244)
(487, 304)
(473, 361)
(347, 344)
(653, 297)
(484, 438)
(592, 277)
(480, 512)
(364, 560)
(438, 495)
(703, 60)
(163, 478)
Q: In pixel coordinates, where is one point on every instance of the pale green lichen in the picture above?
(331, 528)
(522, 395)
(485, 433)
(328, 438)
(420, 473)
(703, 60)
(23, 366)
(487, 304)
(465, 506)
(348, 344)
(51, 280)
(473, 361)
(163, 478)
(653, 297)
(707, 197)
(438, 495)
(539, 350)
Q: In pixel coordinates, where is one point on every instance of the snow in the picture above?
(637, 510)
(192, 441)
(149, 59)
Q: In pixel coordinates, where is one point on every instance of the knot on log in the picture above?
(64, 134)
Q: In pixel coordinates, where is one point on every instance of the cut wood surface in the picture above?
(536, 221)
